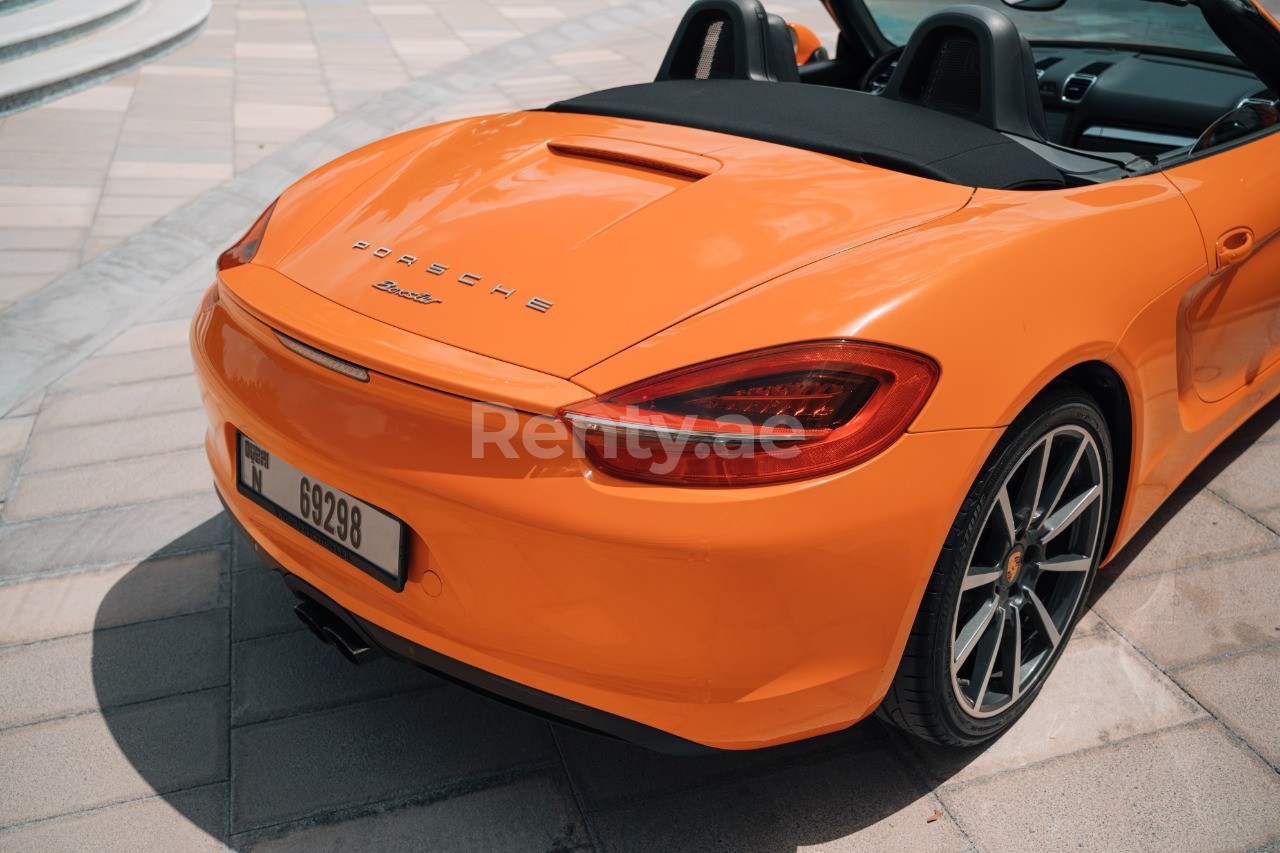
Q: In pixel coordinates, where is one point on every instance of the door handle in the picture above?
(1233, 247)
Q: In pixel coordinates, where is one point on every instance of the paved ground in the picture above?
(157, 693)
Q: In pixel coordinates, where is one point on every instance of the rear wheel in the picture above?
(1012, 578)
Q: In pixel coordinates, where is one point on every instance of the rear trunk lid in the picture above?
(553, 241)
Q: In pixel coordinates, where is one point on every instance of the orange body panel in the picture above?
(732, 617)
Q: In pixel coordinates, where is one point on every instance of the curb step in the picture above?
(41, 27)
(8, 7)
(137, 32)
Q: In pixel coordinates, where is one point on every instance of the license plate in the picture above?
(362, 534)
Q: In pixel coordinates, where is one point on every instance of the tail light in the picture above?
(247, 246)
(767, 416)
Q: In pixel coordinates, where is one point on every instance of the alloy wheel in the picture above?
(1028, 570)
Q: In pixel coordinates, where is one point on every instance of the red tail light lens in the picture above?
(768, 416)
(247, 246)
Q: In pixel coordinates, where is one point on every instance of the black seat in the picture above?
(972, 62)
(730, 39)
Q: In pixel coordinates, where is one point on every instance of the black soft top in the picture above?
(840, 122)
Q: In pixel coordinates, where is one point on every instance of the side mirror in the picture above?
(1035, 5)
(1248, 119)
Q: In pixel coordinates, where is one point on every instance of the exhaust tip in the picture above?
(333, 631)
(347, 644)
(313, 616)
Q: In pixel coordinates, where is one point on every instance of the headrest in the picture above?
(730, 39)
(972, 62)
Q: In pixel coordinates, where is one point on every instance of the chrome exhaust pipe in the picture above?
(331, 630)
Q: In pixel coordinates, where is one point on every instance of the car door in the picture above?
(1232, 318)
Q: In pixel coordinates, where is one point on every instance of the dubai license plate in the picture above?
(359, 532)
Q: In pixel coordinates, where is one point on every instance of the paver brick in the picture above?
(1198, 613)
(112, 537)
(532, 814)
(92, 760)
(177, 821)
(91, 487)
(123, 401)
(98, 443)
(1189, 788)
(113, 667)
(859, 801)
(294, 673)
(262, 605)
(1244, 692)
(288, 769)
(1205, 528)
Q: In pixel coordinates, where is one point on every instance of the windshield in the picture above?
(1122, 21)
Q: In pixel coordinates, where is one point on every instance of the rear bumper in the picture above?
(504, 690)
(723, 618)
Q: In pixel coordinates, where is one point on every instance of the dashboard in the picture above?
(1111, 99)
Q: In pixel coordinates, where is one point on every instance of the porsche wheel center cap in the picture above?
(1013, 565)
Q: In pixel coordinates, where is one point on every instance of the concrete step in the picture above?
(8, 6)
(152, 28)
(41, 27)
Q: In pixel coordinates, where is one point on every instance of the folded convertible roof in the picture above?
(839, 122)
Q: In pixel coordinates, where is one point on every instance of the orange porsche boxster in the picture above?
(723, 410)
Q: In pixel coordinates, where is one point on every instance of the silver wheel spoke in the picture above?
(1067, 563)
(1042, 616)
(1033, 483)
(1013, 654)
(979, 576)
(1061, 477)
(1071, 510)
(973, 629)
(1006, 513)
(987, 652)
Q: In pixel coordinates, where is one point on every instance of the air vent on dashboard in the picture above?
(1078, 84)
(1045, 64)
(880, 82)
(1076, 87)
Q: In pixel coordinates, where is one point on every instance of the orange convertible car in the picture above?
(722, 410)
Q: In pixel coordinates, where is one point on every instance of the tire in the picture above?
(1009, 587)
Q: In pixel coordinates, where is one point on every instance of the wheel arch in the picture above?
(1112, 394)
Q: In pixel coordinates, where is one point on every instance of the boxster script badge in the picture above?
(395, 290)
(470, 279)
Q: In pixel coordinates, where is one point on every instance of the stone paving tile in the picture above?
(1199, 613)
(531, 814)
(861, 801)
(14, 433)
(112, 537)
(123, 401)
(1206, 528)
(90, 487)
(149, 336)
(295, 673)
(1101, 691)
(113, 667)
(92, 760)
(262, 605)
(1249, 482)
(116, 440)
(288, 769)
(1244, 692)
(153, 825)
(77, 604)
(1190, 788)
